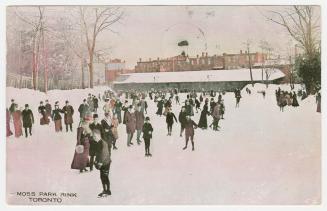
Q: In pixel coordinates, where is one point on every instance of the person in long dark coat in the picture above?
(94, 126)
(56, 117)
(190, 125)
(170, 121)
(182, 119)
(125, 109)
(28, 120)
(130, 125)
(203, 122)
(188, 108)
(68, 117)
(48, 109)
(160, 105)
(216, 117)
(139, 116)
(118, 108)
(83, 110)
(103, 161)
(295, 103)
(81, 159)
(95, 103)
(42, 110)
(147, 135)
(318, 101)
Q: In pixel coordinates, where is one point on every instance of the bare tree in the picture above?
(94, 21)
(248, 43)
(302, 23)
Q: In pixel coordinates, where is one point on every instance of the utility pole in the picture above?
(249, 56)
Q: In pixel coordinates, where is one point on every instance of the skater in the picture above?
(114, 130)
(12, 106)
(83, 110)
(147, 135)
(182, 119)
(170, 121)
(160, 105)
(238, 97)
(118, 108)
(177, 99)
(68, 117)
(95, 125)
(8, 131)
(295, 103)
(188, 108)
(81, 154)
(56, 117)
(222, 109)
(95, 104)
(28, 120)
(130, 125)
(139, 116)
(17, 119)
(42, 110)
(190, 125)
(103, 161)
(125, 109)
(203, 122)
(48, 109)
(197, 105)
(216, 116)
(107, 126)
(318, 101)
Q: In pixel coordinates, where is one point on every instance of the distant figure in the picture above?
(48, 109)
(8, 131)
(17, 119)
(203, 123)
(318, 101)
(170, 121)
(147, 135)
(83, 110)
(295, 103)
(190, 125)
(42, 110)
(28, 120)
(56, 117)
(139, 117)
(68, 117)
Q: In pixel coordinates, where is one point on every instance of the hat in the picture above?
(130, 106)
(95, 116)
(147, 118)
(106, 113)
(41, 102)
(57, 102)
(66, 101)
(84, 100)
(26, 105)
(12, 100)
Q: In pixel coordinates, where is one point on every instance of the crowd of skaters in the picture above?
(97, 137)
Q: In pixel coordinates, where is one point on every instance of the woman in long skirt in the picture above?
(203, 123)
(17, 119)
(8, 131)
(81, 155)
(56, 117)
(295, 103)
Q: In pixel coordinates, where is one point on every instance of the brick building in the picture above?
(203, 62)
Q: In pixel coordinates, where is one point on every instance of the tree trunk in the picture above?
(83, 77)
(250, 67)
(91, 71)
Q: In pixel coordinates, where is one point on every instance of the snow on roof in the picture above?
(197, 76)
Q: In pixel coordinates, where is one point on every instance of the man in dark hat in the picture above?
(83, 109)
(130, 125)
(68, 116)
(147, 135)
(28, 120)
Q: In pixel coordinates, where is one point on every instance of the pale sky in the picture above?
(154, 31)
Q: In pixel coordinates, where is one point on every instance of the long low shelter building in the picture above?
(218, 80)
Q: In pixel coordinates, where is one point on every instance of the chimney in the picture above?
(240, 51)
(140, 60)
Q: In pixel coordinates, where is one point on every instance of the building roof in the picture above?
(197, 76)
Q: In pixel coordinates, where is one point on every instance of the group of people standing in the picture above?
(285, 98)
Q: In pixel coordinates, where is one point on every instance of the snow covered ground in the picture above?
(260, 156)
